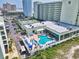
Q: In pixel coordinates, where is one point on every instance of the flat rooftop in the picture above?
(54, 26)
(34, 25)
(26, 21)
(60, 27)
(16, 11)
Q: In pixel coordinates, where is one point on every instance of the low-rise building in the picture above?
(46, 34)
(13, 14)
(9, 7)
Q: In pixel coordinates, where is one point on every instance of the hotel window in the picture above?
(69, 2)
(2, 33)
(78, 31)
(66, 36)
(3, 37)
(4, 42)
(71, 34)
(61, 38)
(1, 28)
(75, 32)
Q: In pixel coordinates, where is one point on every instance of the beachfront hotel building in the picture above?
(13, 14)
(27, 8)
(43, 34)
(47, 11)
(70, 12)
(3, 39)
(66, 11)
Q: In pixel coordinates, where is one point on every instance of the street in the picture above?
(13, 36)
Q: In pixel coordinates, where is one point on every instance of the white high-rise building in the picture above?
(36, 9)
(3, 38)
(66, 11)
(69, 12)
(78, 18)
(48, 11)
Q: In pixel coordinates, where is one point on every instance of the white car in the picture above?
(23, 52)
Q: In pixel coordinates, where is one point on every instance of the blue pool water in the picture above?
(43, 39)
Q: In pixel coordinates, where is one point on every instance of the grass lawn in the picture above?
(58, 51)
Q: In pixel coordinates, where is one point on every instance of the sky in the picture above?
(18, 3)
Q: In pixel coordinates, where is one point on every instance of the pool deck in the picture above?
(36, 46)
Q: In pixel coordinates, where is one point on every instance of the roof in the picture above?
(34, 25)
(49, 2)
(55, 27)
(50, 25)
(15, 11)
(26, 21)
(27, 26)
(37, 24)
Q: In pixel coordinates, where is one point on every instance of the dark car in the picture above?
(12, 21)
(14, 28)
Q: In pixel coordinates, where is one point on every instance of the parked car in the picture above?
(12, 21)
(14, 28)
(23, 51)
(13, 24)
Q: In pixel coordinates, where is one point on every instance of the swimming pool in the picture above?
(44, 39)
